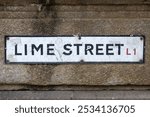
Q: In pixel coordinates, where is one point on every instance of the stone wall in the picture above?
(70, 17)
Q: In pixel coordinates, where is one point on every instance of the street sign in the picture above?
(74, 49)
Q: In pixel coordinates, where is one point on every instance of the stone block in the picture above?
(75, 74)
(72, 2)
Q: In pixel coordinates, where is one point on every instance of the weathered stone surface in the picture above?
(72, 2)
(66, 22)
(76, 74)
(20, 87)
(74, 15)
(76, 8)
(75, 95)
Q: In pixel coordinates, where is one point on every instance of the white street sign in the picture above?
(74, 49)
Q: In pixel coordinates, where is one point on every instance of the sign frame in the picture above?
(142, 37)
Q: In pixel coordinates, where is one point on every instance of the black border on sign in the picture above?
(115, 62)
